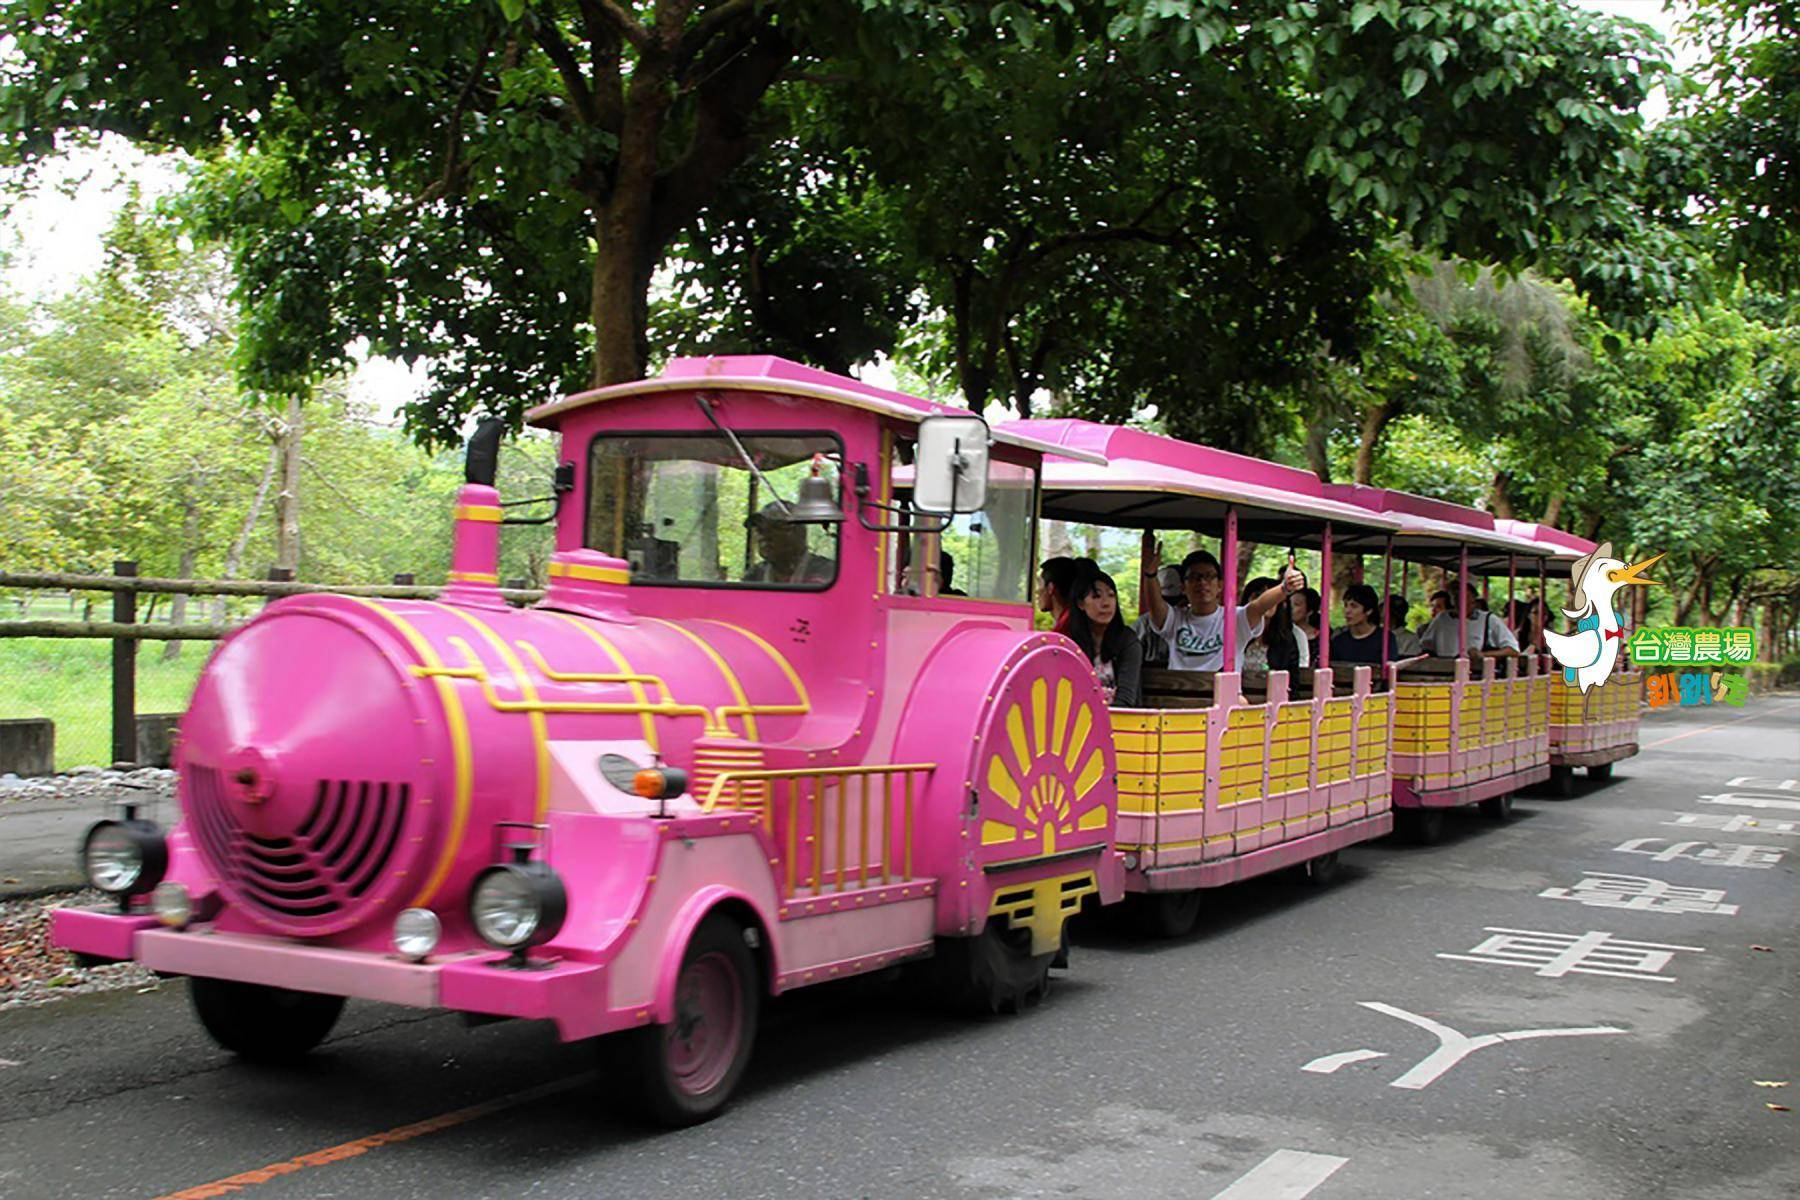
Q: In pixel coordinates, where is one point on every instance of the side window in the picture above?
(984, 555)
(684, 509)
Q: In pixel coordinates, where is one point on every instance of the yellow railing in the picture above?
(816, 810)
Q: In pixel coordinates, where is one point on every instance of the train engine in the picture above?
(752, 738)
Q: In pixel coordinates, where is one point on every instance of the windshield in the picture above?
(684, 509)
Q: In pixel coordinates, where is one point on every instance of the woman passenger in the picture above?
(1056, 580)
(1094, 624)
(1280, 646)
(1304, 606)
(1360, 640)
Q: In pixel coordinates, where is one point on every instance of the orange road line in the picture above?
(1706, 729)
(362, 1145)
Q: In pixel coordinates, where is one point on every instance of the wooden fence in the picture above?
(125, 630)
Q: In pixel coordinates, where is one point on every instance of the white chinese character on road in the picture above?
(1772, 785)
(1557, 954)
(1717, 854)
(1452, 1048)
(1737, 823)
(1601, 890)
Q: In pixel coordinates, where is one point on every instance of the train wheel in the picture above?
(1498, 807)
(1601, 772)
(1424, 826)
(993, 972)
(1561, 783)
(685, 1071)
(1170, 914)
(1322, 870)
(263, 1024)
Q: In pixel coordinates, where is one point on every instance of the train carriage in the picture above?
(1470, 729)
(1592, 729)
(1225, 776)
(744, 744)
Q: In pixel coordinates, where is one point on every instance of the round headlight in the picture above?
(172, 904)
(516, 905)
(416, 932)
(126, 858)
(1131, 862)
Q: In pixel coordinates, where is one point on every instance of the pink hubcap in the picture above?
(709, 1020)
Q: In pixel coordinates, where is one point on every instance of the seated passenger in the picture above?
(1405, 640)
(1487, 634)
(947, 572)
(1440, 604)
(1196, 634)
(1094, 625)
(1156, 651)
(1280, 646)
(1359, 641)
(1306, 605)
(1056, 578)
(781, 544)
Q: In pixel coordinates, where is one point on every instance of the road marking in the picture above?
(352, 1149)
(1758, 782)
(1706, 729)
(1284, 1175)
(1640, 893)
(1740, 800)
(7, 1062)
(1720, 854)
(1557, 954)
(1453, 1047)
(1326, 1064)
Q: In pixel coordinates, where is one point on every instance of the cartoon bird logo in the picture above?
(1588, 654)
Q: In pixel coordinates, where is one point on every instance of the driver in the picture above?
(781, 545)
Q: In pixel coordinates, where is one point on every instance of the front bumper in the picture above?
(572, 994)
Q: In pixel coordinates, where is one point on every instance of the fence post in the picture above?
(403, 579)
(278, 575)
(124, 670)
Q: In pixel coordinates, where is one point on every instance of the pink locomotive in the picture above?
(751, 739)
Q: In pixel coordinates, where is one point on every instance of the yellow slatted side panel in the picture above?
(1290, 749)
(1241, 764)
(1333, 750)
(1422, 718)
(1182, 758)
(1372, 737)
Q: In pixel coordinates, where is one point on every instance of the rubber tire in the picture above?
(1561, 783)
(1424, 826)
(993, 972)
(1171, 914)
(1600, 773)
(1323, 870)
(263, 1024)
(1498, 808)
(646, 1058)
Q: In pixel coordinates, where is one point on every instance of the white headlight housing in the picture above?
(172, 904)
(416, 932)
(1131, 862)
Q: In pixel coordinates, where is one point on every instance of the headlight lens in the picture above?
(1131, 862)
(173, 905)
(126, 858)
(516, 905)
(112, 857)
(416, 932)
(505, 909)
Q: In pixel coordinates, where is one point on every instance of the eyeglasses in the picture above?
(1202, 577)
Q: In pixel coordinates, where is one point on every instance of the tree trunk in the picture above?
(1553, 510)
(1318, 440)
(1375, 422)
(235, 554)
(1500, 496)
(287, 501)
(190, 555)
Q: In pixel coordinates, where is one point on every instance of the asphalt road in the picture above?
(1155, 1069)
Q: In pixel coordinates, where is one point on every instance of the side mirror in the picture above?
(951, 466)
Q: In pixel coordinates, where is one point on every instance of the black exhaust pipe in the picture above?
(482, 460)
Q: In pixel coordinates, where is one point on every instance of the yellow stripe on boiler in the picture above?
(540, 734)
(718, 660)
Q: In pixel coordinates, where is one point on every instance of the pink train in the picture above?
(756, 737)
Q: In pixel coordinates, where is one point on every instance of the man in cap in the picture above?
(781, 545)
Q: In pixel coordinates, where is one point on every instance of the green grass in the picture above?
(69, 680)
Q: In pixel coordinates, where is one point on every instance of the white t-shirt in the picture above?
(1439, 637)
(1197, 643)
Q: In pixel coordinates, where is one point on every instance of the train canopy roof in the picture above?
(1435, 531)
(1562, 546)
(1114, 475)
(767, 373)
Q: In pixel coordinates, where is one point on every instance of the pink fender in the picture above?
(681, 931)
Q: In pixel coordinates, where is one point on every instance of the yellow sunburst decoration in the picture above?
(1035, 772)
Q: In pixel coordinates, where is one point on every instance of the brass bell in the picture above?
(817, 503)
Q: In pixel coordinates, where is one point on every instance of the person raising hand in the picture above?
(1196, 634)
